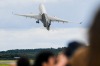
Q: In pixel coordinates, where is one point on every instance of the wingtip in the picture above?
(13, 13)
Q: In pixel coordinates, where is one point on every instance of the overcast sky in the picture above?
(23, 33)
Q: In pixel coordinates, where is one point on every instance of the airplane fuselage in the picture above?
(46, 22)
(44, 17)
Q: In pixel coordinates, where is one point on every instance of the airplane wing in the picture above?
(60, 20)
(30, 15)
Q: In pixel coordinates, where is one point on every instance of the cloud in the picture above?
(39, 38)
(5, 3)
(46, 1)
(52, 1)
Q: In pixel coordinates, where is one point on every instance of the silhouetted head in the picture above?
(94, 38)
(94, 33)
(23, 62)
(72, 47)
(45, 58)
(80, 57)
(63, 58)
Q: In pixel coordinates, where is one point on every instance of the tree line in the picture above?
(30, 53)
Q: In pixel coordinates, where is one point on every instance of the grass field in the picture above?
(6, 62)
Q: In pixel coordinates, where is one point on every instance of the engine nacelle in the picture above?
(37, 21)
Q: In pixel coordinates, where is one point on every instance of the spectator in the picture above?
(45, 58)
(23, 62)
(72, 47)
(90, 56)
(62, 60)
(94, 39)
(65, 56)
(80, 57)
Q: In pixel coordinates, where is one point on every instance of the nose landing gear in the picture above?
(48, 28)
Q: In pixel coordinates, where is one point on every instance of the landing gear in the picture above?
(37, 21)
(48, 28)
(49, 25)
(44, 25)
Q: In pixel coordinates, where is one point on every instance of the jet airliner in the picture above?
(44, 17)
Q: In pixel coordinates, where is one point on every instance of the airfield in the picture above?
(9, 62)
(6, 62)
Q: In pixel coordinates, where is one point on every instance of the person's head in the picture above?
(72, 47)
(62, 60)
(80, 57)
(23, 61)
(94, 39)
(64, 57)
(45, 58)
(94, 32)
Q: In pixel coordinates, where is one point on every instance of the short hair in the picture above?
(72, 47)
(43, 57)
(23, 61)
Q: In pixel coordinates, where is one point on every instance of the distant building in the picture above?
(16, 57)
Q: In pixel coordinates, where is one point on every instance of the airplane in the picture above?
(44, 17)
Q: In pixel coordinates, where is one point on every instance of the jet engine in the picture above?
(37, 21)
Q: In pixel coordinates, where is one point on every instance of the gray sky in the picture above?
(21, 33)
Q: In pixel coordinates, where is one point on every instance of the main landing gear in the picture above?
(37, 21)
